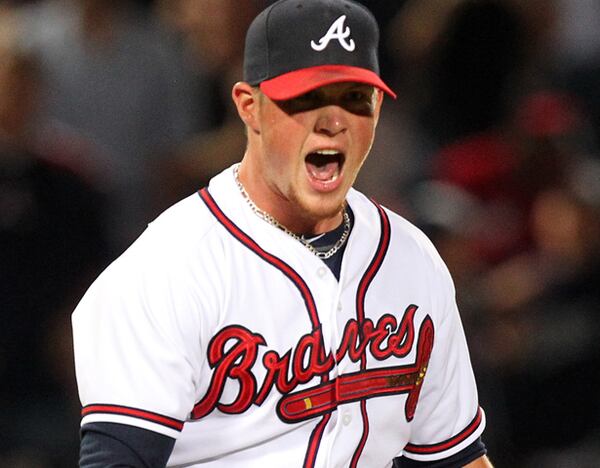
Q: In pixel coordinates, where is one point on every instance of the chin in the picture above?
(323, 207)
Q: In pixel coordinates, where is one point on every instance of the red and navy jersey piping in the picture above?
(447, 444)
(296, 279)
(120, 410)
(373, 268)
(248, 242)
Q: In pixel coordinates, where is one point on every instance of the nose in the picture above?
(331, 121)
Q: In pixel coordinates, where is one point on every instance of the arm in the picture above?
(105, 445)
(134, 356)
(448, 414)
(468, 457)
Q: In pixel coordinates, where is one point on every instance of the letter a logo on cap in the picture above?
(336, 31)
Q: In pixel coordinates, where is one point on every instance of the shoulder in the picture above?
(406, 239)
(181, 252)
(178, 234)
(189, 227)
(167, 283)
(408, 265)
(411, 239)
(182, 225)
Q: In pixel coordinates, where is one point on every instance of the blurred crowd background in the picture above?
(111, 110)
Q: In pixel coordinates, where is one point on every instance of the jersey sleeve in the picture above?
(105, 445)
(137, 341)
(448, 418)
(458, 460)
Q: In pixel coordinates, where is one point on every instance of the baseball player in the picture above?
(278, 317)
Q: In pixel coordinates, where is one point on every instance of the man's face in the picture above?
(312, 149)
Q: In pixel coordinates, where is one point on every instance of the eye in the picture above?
(304, 102)
(309, 100)
(356, 96)
(310, 96)
(359, 100)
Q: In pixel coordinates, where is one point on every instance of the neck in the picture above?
(323, 252)
(288, 213)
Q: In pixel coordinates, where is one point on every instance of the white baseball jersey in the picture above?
(223, 332)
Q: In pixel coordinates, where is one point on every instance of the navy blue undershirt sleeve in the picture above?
(458, 460)
(110, 445)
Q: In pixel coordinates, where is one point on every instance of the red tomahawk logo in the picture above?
(324, 398)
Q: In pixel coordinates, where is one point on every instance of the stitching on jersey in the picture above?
(365, 282)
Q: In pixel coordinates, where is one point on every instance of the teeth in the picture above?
(328, 152)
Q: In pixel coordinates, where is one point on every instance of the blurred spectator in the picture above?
(491, 147)
(506, 153)
(411, 39)
(213, 34)
(177, 19)
(474, 61)
(577, 46)
(542, 331)
(457, 63)
(114, 77)
(577, 36)
(509, 165)
(531, 319)
(51, 244)
(398, 158)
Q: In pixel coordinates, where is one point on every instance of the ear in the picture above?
(246, 101)
(378, 104)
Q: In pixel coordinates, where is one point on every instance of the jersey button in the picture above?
(321, 272)
(346, 419)
(339, 307)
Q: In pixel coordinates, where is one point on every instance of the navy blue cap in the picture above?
(295, 46)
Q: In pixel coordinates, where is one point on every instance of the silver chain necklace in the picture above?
(269, 219)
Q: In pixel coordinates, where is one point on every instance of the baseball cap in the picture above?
(295, 46)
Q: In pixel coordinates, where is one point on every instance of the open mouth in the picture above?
(325, 165)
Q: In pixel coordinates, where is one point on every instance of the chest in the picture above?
(292, 345)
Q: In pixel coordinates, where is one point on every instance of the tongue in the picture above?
(323, 172)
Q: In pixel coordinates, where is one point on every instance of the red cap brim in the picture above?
(295, 83)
